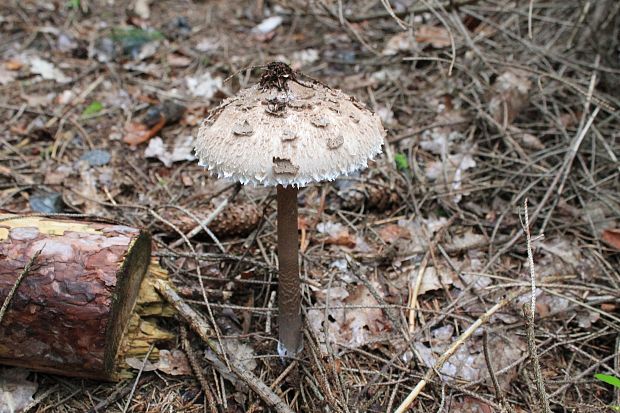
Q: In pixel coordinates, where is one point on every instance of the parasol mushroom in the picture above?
(288, 132)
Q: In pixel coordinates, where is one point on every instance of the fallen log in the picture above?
(72, 308)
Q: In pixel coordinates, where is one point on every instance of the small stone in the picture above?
(46, 203)
(96, 157)
(243, 129)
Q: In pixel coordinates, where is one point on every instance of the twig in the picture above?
(388, 8)
(137, 380)
(413, 293)
(199, 274)
(529, 20)
(276, 382)
(417, 9)
(202, 226)
(102, 405)
(200, 327)
(529, 313)
(452, 349)
(41, 397)
(19, 279)
(498, 391)
(187, 346)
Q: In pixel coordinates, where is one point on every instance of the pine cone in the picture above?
(235, 220)
(373, 197)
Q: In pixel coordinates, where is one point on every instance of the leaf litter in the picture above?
(472, 140)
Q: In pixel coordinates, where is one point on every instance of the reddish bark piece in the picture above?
(70, 310)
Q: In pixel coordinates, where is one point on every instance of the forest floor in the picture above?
(497, 113)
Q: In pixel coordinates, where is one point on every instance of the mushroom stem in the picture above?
(289, 293)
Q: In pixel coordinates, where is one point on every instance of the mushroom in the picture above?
(288, 131)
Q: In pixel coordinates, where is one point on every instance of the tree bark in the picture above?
(70, 310)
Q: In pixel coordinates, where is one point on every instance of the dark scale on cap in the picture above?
(275, 106)
(320, 121)
(243, 128)
(276, 76)
(283, 166)
(334, 142)
(288, 135)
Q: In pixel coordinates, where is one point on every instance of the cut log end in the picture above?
(71, 309)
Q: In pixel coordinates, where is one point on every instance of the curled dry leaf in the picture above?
(137, 132)
(432, 279)
(182, 150)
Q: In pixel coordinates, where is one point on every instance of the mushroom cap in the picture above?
(296, 134)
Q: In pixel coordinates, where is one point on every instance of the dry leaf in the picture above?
(138, 133)
(343, 239)
(527, 140)
(392, 232)
(436, 36)
(352, 327)
(177, 60)
(174, 363)
(15, 391)
(471, 405)
(47, 70)
(241, 353)
(468, 361)
(142, 8)
(337, 233)
(509, 96)
(182, 150)
(139, 364)
(466, 241)
(6, 76)
(268, 25)
(401, 42)
(13, 64)
(431, 279)
(204, 85)
(612, 237)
